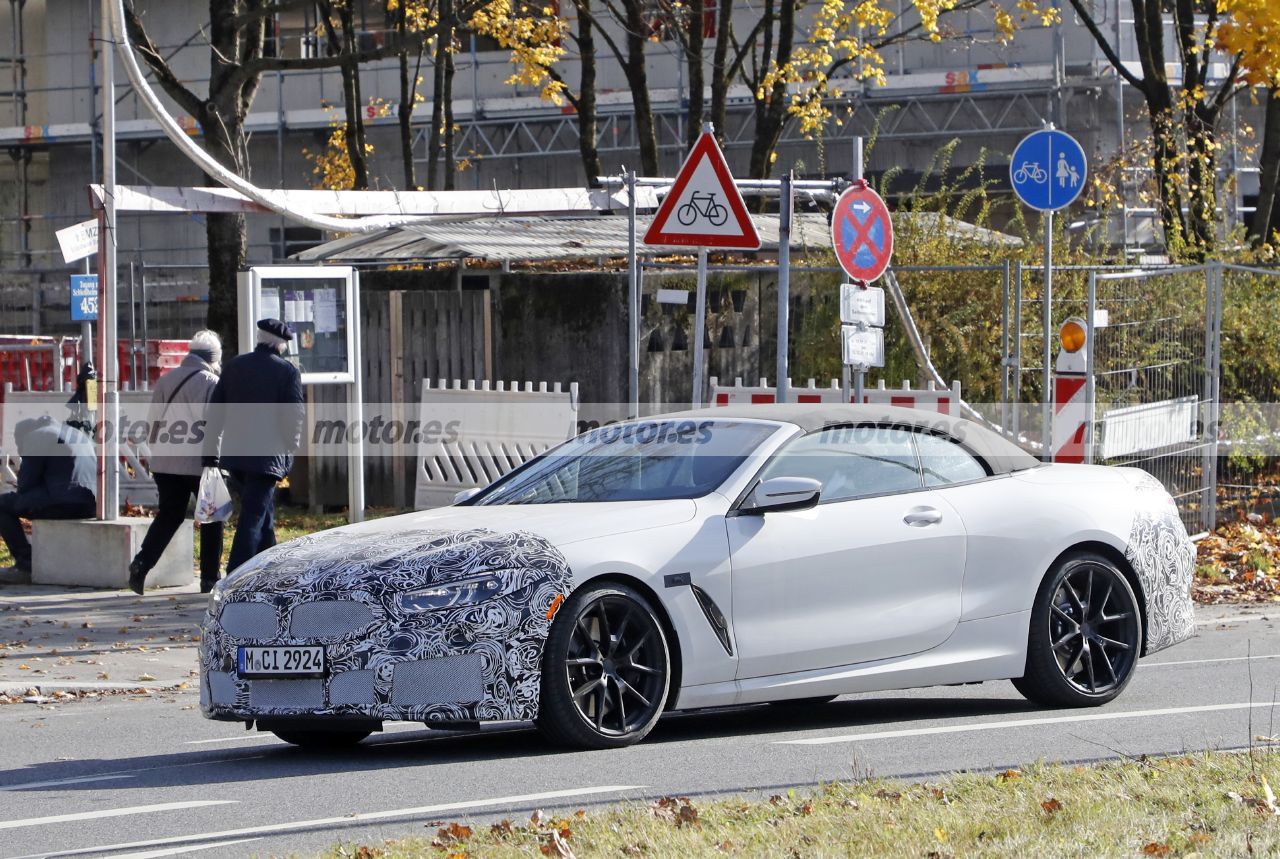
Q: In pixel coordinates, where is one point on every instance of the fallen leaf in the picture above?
(145, 678)
(535, 819)
(1009, 775)
(1156, 848)
(556, 846)
(1269, 797)
(1051, 805)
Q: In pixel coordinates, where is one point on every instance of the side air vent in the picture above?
(715, 617)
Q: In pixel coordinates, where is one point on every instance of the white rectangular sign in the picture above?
(863, 348)
(78, 241)
(862, 304)
(1150, 426)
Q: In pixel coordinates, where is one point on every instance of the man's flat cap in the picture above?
(276, 327)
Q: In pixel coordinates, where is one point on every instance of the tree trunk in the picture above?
(719, 74)
(444, 39)
(638, 80)
(588, 145)
(408, 93)
(1165, 164)
(1266, 216)
(450, 163)
(697, 80)
(771, 114)
(226, 234)
(1201, 129)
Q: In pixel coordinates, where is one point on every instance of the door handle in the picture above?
(919, 517)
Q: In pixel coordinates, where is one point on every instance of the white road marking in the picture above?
(112, 812)
(174, 851)
(1018, 723)
(33, 785)
(239, 738)
(1203, 661)
(349, 820)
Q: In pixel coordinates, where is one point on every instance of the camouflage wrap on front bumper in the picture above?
(472, 662)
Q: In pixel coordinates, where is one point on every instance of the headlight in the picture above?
(448, 594)
(215, 599)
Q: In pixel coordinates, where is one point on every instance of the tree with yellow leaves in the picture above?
(1184, 113)
(1251, 31)
(845, 44)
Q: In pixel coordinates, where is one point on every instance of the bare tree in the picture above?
(1187, 115)
(236, 36)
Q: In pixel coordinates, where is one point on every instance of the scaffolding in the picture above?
(973, 102)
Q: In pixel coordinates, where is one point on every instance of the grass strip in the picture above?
(1206, 804)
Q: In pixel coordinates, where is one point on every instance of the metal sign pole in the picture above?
(785, 204)
(109, 372)
(855, 174)
(1046, 414)
(86, 338)
(699, 328)
(355, 412)
(633, 303)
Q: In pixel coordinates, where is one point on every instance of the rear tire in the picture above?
(321, 740)
(1085, 635)
(606, 670)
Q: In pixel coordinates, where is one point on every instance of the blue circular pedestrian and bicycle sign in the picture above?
(1048, 170)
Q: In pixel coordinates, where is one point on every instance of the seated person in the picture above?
(57, 480)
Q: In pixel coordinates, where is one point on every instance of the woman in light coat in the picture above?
(178, 406)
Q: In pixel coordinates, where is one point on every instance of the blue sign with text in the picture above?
(84, 297)
(1048, 170)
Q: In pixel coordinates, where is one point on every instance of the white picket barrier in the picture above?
(480, 432)
(944, 401)
(136, 483)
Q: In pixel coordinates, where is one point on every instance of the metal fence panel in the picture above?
(1151, 371)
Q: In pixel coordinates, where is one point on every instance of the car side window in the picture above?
(944, 461)
(850, 462)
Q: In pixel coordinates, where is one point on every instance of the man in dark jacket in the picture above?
(255, 419)
(58, 479)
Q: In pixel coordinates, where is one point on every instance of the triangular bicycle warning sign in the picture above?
(704, 208)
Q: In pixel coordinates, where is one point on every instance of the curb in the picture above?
(71, 687)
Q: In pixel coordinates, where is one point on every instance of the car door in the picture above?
(872, 572)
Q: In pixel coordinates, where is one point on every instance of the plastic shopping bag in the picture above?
(213, 501)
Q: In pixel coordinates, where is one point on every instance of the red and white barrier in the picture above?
(1070, 411)
(944, 401)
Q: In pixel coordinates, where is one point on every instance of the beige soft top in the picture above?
(1002, 455)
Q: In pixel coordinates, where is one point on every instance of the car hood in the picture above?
(417, 549)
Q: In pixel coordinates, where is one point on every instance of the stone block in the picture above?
(94, 554)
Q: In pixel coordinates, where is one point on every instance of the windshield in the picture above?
(633, 462)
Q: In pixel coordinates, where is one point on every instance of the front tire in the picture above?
(1085, 636)
(605, 670)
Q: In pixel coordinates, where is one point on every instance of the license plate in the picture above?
(281, 662)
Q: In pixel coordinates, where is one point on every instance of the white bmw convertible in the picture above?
(717, 557)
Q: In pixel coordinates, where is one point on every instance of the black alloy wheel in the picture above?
(1086, 635)
(605, 671)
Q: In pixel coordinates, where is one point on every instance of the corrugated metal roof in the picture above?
(514, 239)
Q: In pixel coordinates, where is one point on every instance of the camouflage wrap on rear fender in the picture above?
(1164, 559)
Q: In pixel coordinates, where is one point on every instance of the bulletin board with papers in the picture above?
(317, 302)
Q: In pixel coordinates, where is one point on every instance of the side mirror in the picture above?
(466, 494)
(782, 493)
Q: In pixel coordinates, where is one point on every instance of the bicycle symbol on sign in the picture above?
(1030, 171)
(704, 204)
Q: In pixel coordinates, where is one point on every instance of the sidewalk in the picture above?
(57, 639)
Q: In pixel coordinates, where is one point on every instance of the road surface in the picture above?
(150, 777)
